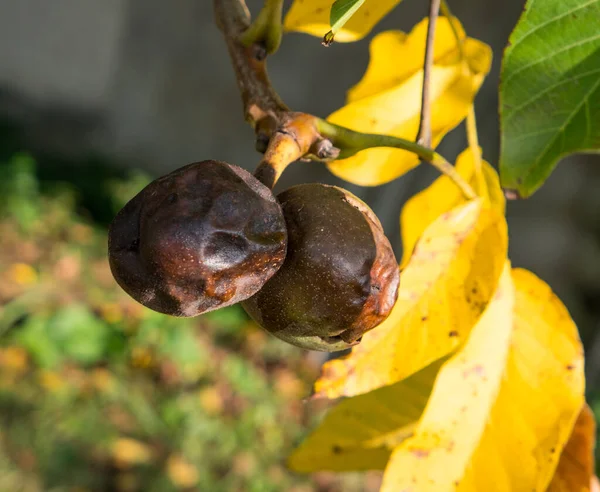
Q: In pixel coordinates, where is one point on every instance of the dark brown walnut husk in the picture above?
(340, 276)
(203, 237)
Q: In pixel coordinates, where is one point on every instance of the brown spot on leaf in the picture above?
(420, 453)
(477, 370)
(453, 333)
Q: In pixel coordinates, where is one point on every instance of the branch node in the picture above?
(262, 142)
(325, 150)
(259, 52)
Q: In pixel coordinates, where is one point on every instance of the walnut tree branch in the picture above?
(284, 135)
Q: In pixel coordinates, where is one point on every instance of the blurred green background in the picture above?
(98, 393)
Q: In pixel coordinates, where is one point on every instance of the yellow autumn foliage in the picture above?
(500, 412)
(575, 471)
(388, 99)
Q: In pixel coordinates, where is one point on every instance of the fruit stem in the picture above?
(351, 142)
(281, 152)
(267, 28)
(297, 138)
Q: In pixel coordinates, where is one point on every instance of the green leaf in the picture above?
(80, 335)
(550, 92)
(341, 11)
(33, 336)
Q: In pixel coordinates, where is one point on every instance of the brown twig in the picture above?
(263, 108)
(424, 134)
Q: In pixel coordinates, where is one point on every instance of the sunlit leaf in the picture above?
(550, 90)
(315, 17)
(381, 76)
(462, 398)
(491, 425)
(443, 290)
(388, 98)
(360, 432)
(575, 470)
(443, 195)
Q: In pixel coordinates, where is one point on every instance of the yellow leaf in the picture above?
(498, 419)
(575, 471)
(388, 99)
(128, 452)
(13, 359)
(443, 195)
(458, 408)
(443, 291)
(312, 17)
(379, 77)
(51, 380)
(22, 274)
(182, 473)
(361, 432)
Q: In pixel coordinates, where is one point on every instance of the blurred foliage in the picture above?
(98, 393)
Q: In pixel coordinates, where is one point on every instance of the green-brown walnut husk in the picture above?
(203, 237)
(340, 276)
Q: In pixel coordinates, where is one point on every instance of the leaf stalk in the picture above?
(352, 142)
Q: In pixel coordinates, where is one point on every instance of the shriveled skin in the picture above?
(340, 277)
(203, 237)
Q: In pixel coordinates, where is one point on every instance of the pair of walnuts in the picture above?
(312, 266)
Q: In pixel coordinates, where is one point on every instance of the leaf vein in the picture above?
(548, 89)
(563, 127)
(550, 21)
(550, 56)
